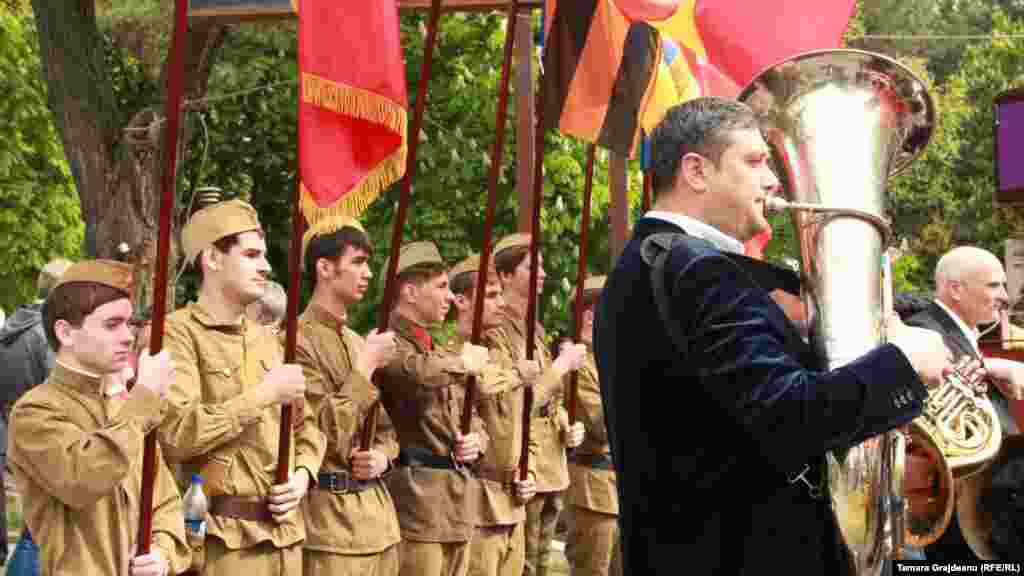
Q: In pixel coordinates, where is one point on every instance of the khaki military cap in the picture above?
(322, 230)
(117, 275)
(214, 222)
(416, 253)
(470, 264)
(512, 241)
(410, 255)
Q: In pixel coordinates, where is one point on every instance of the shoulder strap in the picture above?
(655, 251)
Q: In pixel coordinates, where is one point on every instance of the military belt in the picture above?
(598, 461)
(426, 459)
(240, 507)
(342, 482)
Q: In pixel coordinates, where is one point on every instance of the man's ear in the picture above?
(692, 173)
(408, 292)
(211, 258)
(462, 302)
(62, 329)
(588, 316)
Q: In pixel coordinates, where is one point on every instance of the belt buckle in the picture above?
(814, 491)
(458, 466)
(340, 488)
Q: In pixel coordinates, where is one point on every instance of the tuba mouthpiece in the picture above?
(775, 204)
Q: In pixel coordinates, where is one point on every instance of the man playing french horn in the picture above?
(970, 291)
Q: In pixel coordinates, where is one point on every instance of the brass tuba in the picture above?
(840, 123)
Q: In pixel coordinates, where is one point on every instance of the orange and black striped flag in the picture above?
(600, 70)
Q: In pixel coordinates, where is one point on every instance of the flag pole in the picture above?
(531, 300)
(172, 111)
(384, 313)
(492, 201)
(294, 289)
(581, 272)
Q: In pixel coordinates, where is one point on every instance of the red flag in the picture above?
(743, 38)
(352, 106)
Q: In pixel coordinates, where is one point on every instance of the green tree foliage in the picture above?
(946, 198)
(39, 213)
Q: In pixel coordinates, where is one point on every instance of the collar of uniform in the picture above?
(209, 321)
(76, 379)
(412, 331)
(512, 318)
(321, 315)
(971, 335)
(695, 227)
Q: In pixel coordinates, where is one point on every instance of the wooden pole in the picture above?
(383, 315)
(525, 116)
(492, 200)
(292, 324)
(581, 277)
(619, 208)
(172, 111)
(531, 300)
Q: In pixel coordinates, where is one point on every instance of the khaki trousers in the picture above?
(541, 517)
(595, 543)
(318, 563)
(434, 559)
(262, 559)
(498, 551)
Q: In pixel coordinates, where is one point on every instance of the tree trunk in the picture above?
(117, 169)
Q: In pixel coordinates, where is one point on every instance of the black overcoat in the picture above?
(705, 438)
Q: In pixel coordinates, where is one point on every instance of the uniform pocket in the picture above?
(221, 381)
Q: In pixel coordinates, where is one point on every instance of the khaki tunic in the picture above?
(423, 389)
(501, 410)
(77, 460)
(215, 428)
(550, 418)
(592, 488)
(362, 522)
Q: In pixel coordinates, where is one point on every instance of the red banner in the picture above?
(352, 106)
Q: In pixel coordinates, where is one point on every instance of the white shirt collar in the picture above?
(972, 335)
(699, 229)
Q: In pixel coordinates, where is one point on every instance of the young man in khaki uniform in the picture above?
(226, 400)
(351, 523)
(550, 426)
(593, 544)
(498, 549)
(76, 441)
(423, 389)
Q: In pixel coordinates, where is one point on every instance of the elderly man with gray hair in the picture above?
(270, 309)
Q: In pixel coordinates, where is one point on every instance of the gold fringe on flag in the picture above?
(366, 105)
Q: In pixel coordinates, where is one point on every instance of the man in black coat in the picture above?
(970, 290)
(709, 435)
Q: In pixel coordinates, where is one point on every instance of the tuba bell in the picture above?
(840, 123)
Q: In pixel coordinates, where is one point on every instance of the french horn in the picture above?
(840, 123)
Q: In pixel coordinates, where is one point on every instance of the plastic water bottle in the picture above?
(195, 510)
